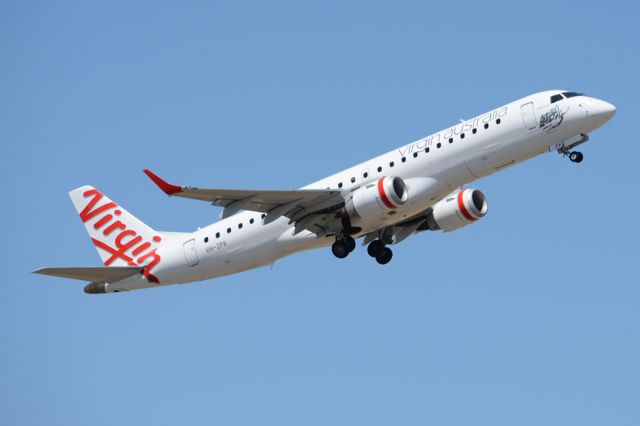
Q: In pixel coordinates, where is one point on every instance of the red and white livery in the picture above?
(382, 201)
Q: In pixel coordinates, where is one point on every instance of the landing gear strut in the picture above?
(380, 251)
(344, 245)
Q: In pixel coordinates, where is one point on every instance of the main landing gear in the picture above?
(576, 157)
(380, 251)
(345, 244)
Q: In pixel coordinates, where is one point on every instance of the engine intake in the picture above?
(457, 210)
(377, 198)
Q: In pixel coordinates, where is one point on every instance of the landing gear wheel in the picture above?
(340, 249)
(350, 242)
(385, 256)
(576, 157)
(375, 248)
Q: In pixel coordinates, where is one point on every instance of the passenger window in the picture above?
(439, 145)
(461, 135)
(450, 141)
(240, 226)
(498, 121)
(263, 215)
(340, 185)
(228, 230)
(379, 169)
(486, 125)
(206, 239)
(217, 235)
(365, 175)
(474, 131)
(251, 221)
(353, 180)
(415, 155)
(426, 149)
(391, 164)
(404, 159)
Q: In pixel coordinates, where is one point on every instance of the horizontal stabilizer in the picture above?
(95, 274)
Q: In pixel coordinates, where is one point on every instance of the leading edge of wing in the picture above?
(214, 194)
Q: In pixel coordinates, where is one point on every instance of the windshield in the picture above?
(556, 98)
(561, 96)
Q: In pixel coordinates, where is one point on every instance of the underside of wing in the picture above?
(312, 209)
(401, 230)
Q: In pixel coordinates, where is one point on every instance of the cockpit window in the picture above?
(572, 94)
(556, 98)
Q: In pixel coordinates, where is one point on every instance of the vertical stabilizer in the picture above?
(120, 238)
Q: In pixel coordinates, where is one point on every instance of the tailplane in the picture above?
(98, 275)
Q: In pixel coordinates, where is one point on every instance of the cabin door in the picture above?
(529, 116)
(190, 254)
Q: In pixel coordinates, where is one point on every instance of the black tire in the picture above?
(351, 243)
(375, 248)
(340, 249)
(576, 157)
(384, 257)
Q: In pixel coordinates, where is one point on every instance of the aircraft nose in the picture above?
(601, 110)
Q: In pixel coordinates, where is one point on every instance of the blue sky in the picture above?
(528, 317)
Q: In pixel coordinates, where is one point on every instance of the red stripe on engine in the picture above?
(462, 207)
(383, 195)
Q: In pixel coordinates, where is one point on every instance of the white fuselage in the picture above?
(431, 167)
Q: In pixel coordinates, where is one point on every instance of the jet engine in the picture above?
(457, 210)
(377, 198)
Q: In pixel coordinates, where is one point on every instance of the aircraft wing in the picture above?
(308, 208)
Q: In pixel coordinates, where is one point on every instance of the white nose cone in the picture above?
(601, 111)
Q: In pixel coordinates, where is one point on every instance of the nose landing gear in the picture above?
(576, 157)
(565, 147)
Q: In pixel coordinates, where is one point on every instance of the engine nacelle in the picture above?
(457, 210)
(377, 198)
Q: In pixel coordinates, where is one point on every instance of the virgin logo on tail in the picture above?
(128, 245)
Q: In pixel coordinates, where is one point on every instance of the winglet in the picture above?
(168, 188)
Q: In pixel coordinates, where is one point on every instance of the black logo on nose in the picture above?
(551, 119)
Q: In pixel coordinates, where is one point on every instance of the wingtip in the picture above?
(165, 186)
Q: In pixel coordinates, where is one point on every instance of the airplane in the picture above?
(415, 188)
